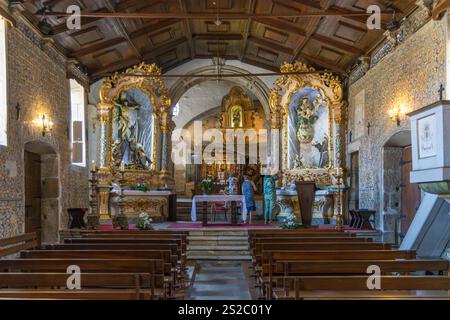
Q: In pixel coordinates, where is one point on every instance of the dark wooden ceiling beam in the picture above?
(111, 6)
(337, 44)
(217, 36)
(152, 27)
(270, 45)
(97, 47)
(247, 28)
(188, 31)
(260, 64)
(113, 67)
(321, 63)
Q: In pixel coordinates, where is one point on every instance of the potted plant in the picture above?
(144, 222)
(207, 185)
(291, 222)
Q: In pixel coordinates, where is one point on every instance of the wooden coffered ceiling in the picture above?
(259, 36)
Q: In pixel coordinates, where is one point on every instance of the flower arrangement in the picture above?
(291, 222)
(207, 185)
(140, 187)
(144, 222)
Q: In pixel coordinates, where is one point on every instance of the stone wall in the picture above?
(408, 76)
(37, 81)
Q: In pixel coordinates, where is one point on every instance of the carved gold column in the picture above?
(276, 123)
(103, 180)
(340, 118)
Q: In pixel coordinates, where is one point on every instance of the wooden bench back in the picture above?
(259, 247)
(164, 255)
(13, 245)
(359, 283)
(289, 268)
(268, 256)
(152, 266)
(113, 246)
(123, 294)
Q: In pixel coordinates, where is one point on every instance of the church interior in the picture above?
(224, 149)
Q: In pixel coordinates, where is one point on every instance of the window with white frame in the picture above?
(176, 110)
(3, 85)
(78, 138)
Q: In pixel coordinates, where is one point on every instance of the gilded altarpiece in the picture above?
(308, 109)
(135, 120)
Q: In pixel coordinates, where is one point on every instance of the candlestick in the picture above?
(122, 166)
(93, 166)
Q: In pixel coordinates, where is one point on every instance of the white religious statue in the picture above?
(306, 118)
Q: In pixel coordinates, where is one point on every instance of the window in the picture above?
(78, 139)
(3, 85)
(176, 110)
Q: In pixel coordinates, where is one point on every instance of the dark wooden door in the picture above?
(354, 189)
(33, 193)
(410, 193)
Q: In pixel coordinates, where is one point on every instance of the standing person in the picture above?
(232, 184)
(270, 197)
(248, 191)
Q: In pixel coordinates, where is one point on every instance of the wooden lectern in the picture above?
(306, 192)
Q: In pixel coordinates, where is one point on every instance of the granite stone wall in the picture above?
(409, 76)
(37, 81)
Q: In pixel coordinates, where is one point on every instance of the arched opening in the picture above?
(217, 105)
(42, 190)
(400, 198)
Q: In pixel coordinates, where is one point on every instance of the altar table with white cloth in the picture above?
(219, 198)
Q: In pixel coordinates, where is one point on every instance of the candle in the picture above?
(93, 168)
(122, 166)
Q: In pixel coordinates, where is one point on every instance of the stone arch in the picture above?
(48, 197)
(391, 180)
(251, 83)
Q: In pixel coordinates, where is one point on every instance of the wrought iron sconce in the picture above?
(397, 114)
(45, 123)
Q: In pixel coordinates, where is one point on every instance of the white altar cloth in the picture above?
(218, 198)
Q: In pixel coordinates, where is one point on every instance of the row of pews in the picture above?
(312, 264)
(125, 265)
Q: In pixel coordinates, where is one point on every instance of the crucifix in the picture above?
(18, 111)
(368, 128)
(441, 92)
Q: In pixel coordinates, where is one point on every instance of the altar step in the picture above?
(218, 245)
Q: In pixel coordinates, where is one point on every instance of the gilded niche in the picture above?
(238, 111)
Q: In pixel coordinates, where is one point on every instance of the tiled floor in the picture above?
(219, 280)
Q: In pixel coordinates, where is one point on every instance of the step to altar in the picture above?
(221, 245)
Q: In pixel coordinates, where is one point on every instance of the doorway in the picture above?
(33, 194)
(41, 170)
(410, 193)
(354, 182)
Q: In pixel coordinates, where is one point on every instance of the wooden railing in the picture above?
(19, 243)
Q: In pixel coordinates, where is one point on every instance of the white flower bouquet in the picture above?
(144, 221)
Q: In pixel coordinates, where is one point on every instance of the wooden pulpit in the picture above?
(306, 192)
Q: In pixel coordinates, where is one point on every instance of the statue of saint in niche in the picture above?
(306, 117)
(323, 152)
(126, 147)
(236, 117)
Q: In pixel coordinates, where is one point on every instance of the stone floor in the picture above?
(219, 280)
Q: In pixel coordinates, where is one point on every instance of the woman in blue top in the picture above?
(270, 197)
(248, 191)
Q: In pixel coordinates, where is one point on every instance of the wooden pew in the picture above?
(139, 282)
(13, 245)
(156, 268)
(122, 294)
(356, 286)
(270, 257)
(312, 246)
(271, 273)
(166, 256)
(126, 240)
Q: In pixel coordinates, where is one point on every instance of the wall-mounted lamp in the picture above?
(397, 114)
(45, 123)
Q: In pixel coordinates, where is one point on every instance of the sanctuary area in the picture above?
(224, 149)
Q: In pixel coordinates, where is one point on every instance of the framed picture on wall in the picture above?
(426, 134)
